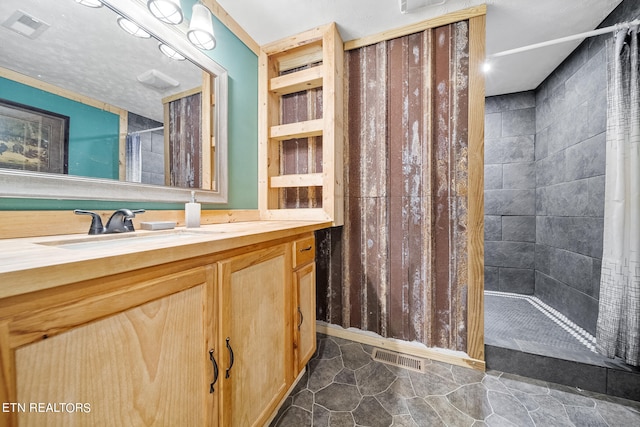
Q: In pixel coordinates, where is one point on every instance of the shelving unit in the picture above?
(301, 127)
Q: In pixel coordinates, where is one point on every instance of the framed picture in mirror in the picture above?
(32, 139)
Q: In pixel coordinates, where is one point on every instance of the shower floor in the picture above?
(524, 323)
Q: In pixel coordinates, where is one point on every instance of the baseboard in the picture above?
(458, 358)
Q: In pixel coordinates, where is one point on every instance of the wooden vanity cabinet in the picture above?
(135, 348)
(116, 355)
(304, 293)
(255, 332)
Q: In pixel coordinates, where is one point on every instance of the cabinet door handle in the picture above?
(301, 317)
(308, 248)
(230, 357)
(215, 371)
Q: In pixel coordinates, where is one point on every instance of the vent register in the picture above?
(400, 360)
(25, 24)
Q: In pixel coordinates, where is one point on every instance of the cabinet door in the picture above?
(305, 333)
(147, 365)
(256, 303)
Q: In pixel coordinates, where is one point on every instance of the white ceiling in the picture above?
(510, 24)
(54, 57)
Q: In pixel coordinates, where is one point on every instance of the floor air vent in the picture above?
(400, 360)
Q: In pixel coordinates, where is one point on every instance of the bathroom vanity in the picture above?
(206, 326)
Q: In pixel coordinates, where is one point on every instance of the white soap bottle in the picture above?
(192, 212)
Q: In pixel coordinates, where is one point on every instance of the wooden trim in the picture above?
(475, 243)
(7, 375)
(308, 214)
(300, 39)
(449, 18)
(224, 17)
(302, 180)
(411, 348)
(32, 326)
(299, 57)
(16, 224)
(122, 147)
(56, 90)
(297, 130)
(184, 93)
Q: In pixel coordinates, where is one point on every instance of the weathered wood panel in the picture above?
(185, 142)
(405, 238)
(301, 155)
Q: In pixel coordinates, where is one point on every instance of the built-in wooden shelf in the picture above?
(298, 81)
(300, 155)
(297, 130)
(300, 180)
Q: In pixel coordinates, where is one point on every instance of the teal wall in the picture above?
(242, 66)
(93, 133)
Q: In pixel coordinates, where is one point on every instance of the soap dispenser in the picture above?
(192, 212)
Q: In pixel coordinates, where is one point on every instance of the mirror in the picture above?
(91, 77)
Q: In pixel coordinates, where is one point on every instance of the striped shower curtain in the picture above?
(618, 327)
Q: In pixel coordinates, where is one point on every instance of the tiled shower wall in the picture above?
(569, 117)
(510, 223)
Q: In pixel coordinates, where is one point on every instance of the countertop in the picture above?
(37, 263)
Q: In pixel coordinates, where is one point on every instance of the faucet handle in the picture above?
(96, 222)
(128, 223)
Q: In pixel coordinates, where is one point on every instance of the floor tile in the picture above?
(344, 386)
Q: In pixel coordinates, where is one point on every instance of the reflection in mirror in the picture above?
(134, 113)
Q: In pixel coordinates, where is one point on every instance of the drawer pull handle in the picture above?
(301, 317)
(308, 248)
(215, 371)
(230, 357)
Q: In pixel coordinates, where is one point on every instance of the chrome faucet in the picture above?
(119, 222)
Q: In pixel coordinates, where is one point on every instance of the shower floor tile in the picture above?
(521, 322)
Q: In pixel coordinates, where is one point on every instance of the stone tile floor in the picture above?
(343, 386)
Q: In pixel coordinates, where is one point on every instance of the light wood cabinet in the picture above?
(256, 331)
(136, 348)
(304, 292)
(144, 365)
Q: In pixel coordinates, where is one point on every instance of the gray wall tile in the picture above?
(493, 125)
(492, 228)
(519, 176)
(586, 159)
(492, 177)
(517, 280)
(582, 235)
(519, 228)
(516, 149)
(509, 254)
(519, 122)
(565, 199)
(572, 269)
(510, 202)
(491, 278)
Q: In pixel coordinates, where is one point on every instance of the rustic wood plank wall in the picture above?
(301, 155)
(404, 243)
(184, 142)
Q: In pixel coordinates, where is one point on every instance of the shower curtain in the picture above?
(133, 158)
(618, 327)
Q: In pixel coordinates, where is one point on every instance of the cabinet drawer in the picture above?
(304, 251)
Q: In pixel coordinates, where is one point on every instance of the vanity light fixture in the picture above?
(200, 32)
(170, 52)
(132, 28)
(90, 3)
(168, 11)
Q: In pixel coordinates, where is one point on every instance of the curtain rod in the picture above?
(146, 130)
(611, 29)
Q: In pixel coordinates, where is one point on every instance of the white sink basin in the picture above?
(102, 241)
